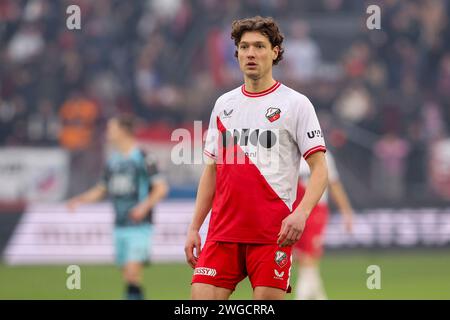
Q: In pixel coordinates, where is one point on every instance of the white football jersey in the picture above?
(257, 141)
(274, 129)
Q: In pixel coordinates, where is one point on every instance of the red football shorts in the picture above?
(225, 264)
(311, 240)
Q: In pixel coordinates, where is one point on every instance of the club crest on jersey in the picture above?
(281, 258)
(273, 114)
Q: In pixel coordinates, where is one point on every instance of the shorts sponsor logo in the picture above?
(205, 272)
(281, 258)
(278, 275)
(273, 114)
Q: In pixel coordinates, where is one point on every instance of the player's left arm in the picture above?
(310, 141)
(294, 224)
(159, 190)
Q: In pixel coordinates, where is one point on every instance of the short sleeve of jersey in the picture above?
(151, 168)
(105, 176)
(308, 132)
(333, 175)
(212, 135)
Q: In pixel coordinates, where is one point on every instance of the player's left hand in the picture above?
(139, 212)
(348, 222)
(291, 229)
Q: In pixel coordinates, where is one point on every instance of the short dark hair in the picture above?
(127, 122)
(266, 25)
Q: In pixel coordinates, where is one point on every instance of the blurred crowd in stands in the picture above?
(383, 96)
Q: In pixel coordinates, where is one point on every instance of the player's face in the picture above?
(113, 132)
(256, 55)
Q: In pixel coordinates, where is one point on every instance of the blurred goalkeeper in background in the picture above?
(133, 183)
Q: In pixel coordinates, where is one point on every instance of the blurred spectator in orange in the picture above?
(78, 121)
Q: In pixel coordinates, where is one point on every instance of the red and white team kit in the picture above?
(257, 141)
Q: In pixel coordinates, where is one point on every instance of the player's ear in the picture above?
(275, 52)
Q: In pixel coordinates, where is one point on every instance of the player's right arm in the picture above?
(203, 204)
(94, 194)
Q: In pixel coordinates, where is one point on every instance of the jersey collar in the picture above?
(261, 93)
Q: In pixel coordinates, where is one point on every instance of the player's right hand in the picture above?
(73, 204)
(193, 240)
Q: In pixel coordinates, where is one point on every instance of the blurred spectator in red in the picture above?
(356, 60)
(390, 153)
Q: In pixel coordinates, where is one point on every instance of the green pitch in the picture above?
(404, 275)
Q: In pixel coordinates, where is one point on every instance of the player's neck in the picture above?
(258, 85)
(126, 146)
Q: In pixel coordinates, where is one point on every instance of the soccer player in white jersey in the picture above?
(257, 135)
(310, 246)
